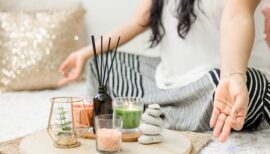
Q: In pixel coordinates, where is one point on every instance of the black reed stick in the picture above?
(106, 63)
(111, 57)
(95, 56)
(112, 61)
(101, 48)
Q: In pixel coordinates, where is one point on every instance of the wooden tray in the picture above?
(41, 143)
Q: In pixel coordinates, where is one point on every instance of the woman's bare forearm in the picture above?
(237, 35)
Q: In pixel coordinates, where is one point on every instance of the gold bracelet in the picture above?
(233, 74)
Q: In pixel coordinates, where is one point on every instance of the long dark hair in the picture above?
(184, 13)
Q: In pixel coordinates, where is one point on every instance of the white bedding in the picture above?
(23, 113)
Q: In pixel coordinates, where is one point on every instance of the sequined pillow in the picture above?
(34, 44)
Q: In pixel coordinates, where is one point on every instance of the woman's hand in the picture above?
(73, 66)
(230, 106)
(237, 35)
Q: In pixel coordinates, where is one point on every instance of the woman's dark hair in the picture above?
(184, 13)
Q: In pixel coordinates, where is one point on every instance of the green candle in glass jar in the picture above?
(130, 109)
(131, 116)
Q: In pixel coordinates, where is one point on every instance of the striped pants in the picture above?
(186, 108)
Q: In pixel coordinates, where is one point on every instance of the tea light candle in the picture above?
(109, 140)
(130, 114)
(80, 114)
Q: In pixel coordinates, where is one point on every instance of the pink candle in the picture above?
(109, 140)
(81, 113)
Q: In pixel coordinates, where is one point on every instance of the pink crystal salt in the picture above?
(109, 140)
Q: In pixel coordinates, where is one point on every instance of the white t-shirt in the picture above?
(185, 61)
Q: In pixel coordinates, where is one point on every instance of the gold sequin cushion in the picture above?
(34, 44)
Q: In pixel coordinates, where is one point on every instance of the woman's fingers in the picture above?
(65, 65)
(226, 130)
(239, 111)
(70, 77)
(239, 119)
(237, 107)
(238, 123)
(71, 69)
(220, 106)
(219, 124)
(64, 81)
(214, 117)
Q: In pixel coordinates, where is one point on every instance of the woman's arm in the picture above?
(266, 12)
(237, 34)
(73, 66)
(128, 30)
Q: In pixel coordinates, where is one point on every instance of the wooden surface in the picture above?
(174, 143)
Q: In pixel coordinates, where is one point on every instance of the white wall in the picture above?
(105, 15)
(102, 16)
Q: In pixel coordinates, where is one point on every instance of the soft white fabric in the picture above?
(25, 112)
(241, 143)
(184, 61)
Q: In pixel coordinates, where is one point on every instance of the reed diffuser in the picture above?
(103, 101)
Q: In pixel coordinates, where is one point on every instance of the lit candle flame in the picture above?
(129, 106)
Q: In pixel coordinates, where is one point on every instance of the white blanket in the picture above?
(23, 113)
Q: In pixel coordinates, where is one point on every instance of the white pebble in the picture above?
(146, 118)
(150, 129)
(146, 139)
(154, 106)
(153, 112)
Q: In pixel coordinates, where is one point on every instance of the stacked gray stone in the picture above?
(152, 125)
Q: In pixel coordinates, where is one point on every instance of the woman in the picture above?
(195, 36)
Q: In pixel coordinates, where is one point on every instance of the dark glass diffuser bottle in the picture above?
(102, 103)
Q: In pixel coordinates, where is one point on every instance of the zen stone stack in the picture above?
(152, 125)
